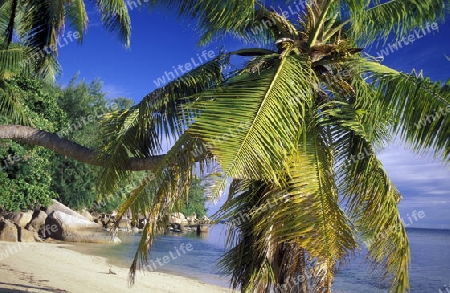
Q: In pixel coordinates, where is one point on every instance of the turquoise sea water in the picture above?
(195, 257)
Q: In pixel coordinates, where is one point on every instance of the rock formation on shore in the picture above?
(57, 222)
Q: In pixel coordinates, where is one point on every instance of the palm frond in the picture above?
(38, 26)
(260, 115)
(10, 59)
(56, 13)
(315, 225)
(76, 11)
(318, 15)
(354, 103)
(418, 106)
(115, 18)
(41, 23)
(269, 222)
(358, 126)
(48, 68)
(246, 262)
(163, 189)
(277, 233)
(378, 20)
(138, 131)
(11, 106)
(372, 201)
(117, 130)
(370, 196)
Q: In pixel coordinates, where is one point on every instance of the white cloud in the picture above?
(424, 183)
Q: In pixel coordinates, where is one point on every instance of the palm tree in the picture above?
(296, 130)
(38, 26)
(31, 31)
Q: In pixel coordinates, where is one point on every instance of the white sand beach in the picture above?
(50, 267)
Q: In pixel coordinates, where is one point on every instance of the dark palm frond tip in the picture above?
(140, 258)
(9, 31)
(76, 11)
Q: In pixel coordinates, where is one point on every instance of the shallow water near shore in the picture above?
(186, 255)
(430, 253)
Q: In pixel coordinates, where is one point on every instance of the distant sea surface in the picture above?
(430, 265)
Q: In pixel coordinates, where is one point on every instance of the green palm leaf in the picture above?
(374, 20)
(268, 223)
(163, 189)
(138, 131)
(372, 200)
(317, 218)
(11, 59)
(418, 106)
(115, 18)
(11, 106)
(358, 126)
(260, 115)
(76, 11)
(369, 195)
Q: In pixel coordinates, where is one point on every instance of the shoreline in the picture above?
(92, 249)
(57, 267)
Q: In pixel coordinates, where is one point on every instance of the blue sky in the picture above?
(161, 42)
(158, 43)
